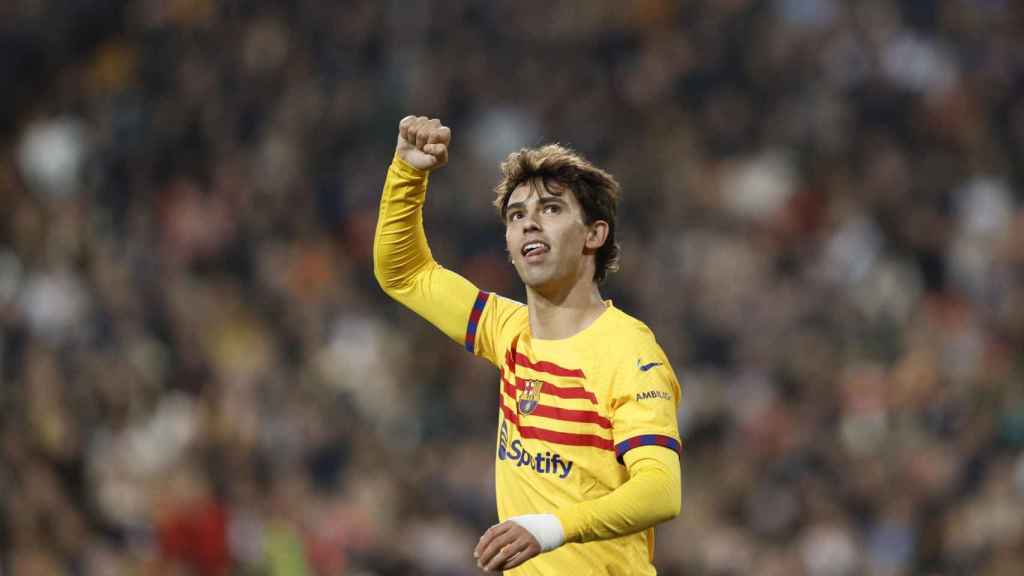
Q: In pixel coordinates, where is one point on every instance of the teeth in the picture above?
(532, 246)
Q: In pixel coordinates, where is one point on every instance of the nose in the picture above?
(530, 220)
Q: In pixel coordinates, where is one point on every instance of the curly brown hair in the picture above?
(596, 190)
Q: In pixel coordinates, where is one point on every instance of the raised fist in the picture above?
(423, 142)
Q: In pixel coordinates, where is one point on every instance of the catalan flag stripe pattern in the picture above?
(474, 319)
(646, 440)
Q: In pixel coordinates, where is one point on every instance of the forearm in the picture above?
(402, 262)
(651, 495)
(400, 249)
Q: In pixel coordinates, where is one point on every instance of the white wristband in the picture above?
(544, 527)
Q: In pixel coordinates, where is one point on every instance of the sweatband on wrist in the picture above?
(544, 527)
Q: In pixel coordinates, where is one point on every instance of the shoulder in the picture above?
(626, 342)
(629, 332)
(636, 364)
(508, 314)
(507, 307)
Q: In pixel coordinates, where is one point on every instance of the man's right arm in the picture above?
(402, 262)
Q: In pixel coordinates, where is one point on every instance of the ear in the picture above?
(596, 236)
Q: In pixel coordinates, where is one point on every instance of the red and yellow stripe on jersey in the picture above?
(570, 411)
(576, 415)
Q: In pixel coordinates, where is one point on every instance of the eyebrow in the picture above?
(514, 206)
(543, 201)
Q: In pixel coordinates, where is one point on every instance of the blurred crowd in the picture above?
(822, 222)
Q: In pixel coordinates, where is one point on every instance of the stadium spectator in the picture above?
(822, 202)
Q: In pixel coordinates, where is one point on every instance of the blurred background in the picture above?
(822, 222)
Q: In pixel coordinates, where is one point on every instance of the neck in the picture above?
(560, 314)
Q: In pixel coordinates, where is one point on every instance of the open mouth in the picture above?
(534, 249)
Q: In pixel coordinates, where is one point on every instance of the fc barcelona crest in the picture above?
(529, 396)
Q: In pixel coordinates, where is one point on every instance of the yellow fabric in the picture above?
(651, 495)
(402, 261)
(565, 405)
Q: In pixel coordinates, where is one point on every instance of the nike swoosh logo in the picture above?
(646, 367)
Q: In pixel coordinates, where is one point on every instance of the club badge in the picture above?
(529, 396)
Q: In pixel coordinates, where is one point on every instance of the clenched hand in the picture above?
(423, 142)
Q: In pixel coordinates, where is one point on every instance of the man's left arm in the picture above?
(653, 494)
(647, 443)
(650, 496)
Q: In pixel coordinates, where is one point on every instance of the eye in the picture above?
(513, 216)
(552, 209)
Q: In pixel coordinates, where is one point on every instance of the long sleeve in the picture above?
(651, 495)
(403, 264)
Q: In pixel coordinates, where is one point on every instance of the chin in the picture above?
(540, 282)
(530, 279)
(538, 278)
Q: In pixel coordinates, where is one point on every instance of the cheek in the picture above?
(509, 240)
(577, 239)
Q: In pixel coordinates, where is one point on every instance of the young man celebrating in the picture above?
(588, 446)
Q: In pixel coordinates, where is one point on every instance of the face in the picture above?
(545, 234)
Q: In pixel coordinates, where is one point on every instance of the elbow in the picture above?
(389, 285)
(675, 505)
(662, 483)
(672, 503)
(381, 277)
(670, 507)
(394, 282)
(388, 282)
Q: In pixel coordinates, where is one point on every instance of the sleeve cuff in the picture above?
(406, 170)
(571, 529)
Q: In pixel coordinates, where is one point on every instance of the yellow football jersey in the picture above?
(569, 410)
